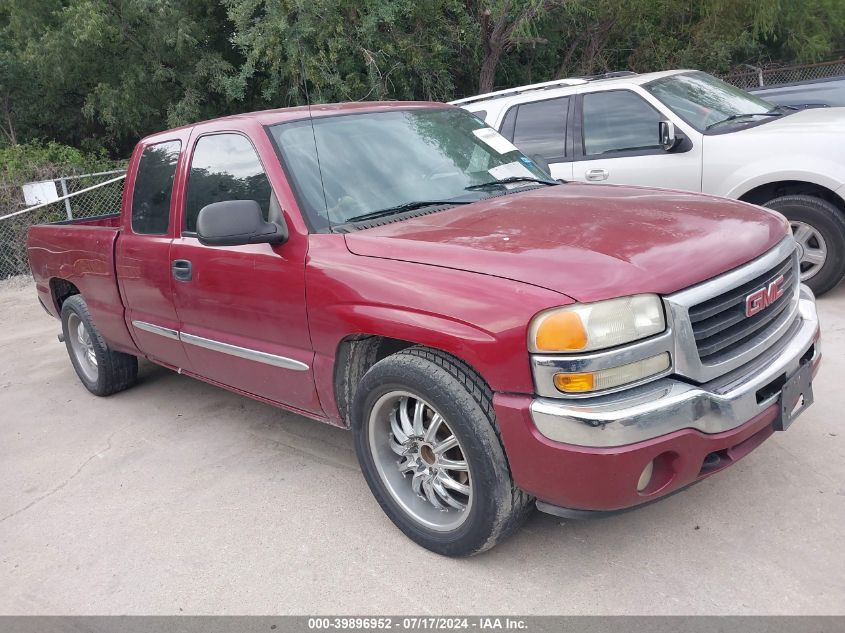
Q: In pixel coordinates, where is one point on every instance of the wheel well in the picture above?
(768, 192)
(61, 289)
(355, 355)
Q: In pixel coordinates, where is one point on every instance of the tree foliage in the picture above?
(101, 73)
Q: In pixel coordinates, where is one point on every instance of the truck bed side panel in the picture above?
(83, 255)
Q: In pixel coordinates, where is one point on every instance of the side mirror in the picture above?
(235, 223)
(666, 133)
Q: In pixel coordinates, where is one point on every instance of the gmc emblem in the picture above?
(761, 299)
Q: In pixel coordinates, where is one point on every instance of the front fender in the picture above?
(481, 319)
(748, 177)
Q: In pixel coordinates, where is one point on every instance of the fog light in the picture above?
(645, 476)
(613, 377)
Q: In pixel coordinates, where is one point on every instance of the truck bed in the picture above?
(80, 255)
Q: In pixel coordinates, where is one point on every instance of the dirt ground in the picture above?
(177, 497)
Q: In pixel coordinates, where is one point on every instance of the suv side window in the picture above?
(224, 167)
(154, 187)
(618, 121)
(540, 128)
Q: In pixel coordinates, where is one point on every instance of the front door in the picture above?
(619, 144)
(242, 308)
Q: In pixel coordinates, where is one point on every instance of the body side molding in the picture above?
(224, 348)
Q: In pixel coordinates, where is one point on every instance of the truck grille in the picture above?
(720, 325)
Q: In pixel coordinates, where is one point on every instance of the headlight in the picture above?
(585, 327)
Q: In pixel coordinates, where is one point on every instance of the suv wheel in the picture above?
(819, 230)
(425, 436)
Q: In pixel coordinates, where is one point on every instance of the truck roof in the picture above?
(281, 115)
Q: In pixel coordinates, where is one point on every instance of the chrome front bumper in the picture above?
(669, 404)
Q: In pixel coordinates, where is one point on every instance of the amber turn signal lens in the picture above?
(574, 383)
(561, 331)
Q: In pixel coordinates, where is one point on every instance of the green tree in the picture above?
(108, 71)
(101, 73)
(345, 50)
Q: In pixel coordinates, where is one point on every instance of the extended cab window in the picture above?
(540, 128)
(224, 167)
(618, 121)
(153, 188)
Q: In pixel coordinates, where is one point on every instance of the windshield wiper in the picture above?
(511, 179)
(408, 206)
(740, 116)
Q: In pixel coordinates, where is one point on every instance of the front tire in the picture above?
(819, 230)
(425, 436)
(102, 370)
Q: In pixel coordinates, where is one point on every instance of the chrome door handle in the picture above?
(597, 174)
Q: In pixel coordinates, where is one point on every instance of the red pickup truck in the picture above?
(494, 339)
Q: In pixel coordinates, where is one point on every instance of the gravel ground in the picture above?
(177, 497)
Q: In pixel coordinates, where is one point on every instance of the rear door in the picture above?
(539, 128)
(143, 251)
(242, 308)
(616, 133)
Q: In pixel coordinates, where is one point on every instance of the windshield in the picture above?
(396, 160)
(705, 101)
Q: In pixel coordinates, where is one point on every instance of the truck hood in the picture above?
(589, 242)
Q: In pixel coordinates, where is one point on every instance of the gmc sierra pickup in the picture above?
(494, 339)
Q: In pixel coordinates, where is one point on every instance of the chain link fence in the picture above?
(83, 196)
(753, 77)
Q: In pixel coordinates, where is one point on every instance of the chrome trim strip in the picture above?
(545, 367)
(166, 332)
(685, 355)
(243, 352)
(668, 405)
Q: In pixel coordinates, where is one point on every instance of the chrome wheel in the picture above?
(83, 347)
(812, 249)
(420, 461)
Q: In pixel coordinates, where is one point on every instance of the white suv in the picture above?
(688, 130)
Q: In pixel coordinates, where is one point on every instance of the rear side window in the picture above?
(618, 121)
(153, 188)
(225, 167)
(541, 128)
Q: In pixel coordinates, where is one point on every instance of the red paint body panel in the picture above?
(82, 254)
(252, 297)
(590, 242)
(605, 479)
(249, 296)
(143, 268)
(466, 280)
(481, 319)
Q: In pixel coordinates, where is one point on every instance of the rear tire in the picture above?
(102, 370)
(406, 463)
(819, 229)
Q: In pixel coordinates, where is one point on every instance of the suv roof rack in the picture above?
(610, 75)
(546, 85)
